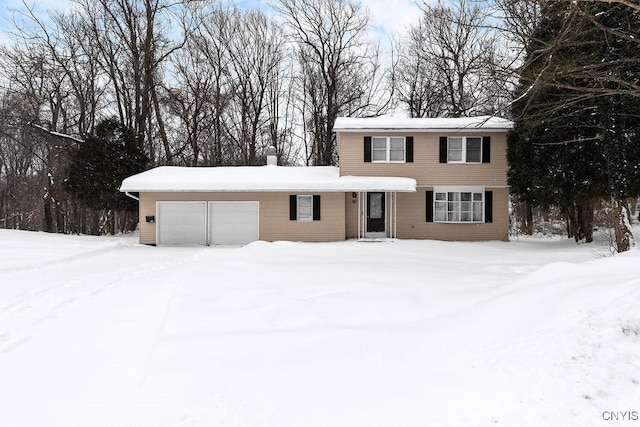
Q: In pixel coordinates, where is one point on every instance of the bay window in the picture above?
(459, 204)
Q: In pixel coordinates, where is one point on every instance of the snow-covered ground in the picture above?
(105, 332)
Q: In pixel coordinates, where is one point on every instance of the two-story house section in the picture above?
(398, 178)
(460, 169)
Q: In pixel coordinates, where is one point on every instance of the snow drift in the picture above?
(104, 332)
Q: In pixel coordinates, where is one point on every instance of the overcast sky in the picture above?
(387, 15)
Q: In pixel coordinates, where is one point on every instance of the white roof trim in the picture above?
(480, 123)
(259, 179)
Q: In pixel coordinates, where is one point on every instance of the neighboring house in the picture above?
(440, 179)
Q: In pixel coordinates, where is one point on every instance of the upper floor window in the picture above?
(465, 149)
(388, 149)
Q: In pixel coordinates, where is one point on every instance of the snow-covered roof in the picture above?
(260, 178)
(351, 124)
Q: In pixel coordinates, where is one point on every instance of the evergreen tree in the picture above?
(99, 165)
(617, 113)
(575, 134)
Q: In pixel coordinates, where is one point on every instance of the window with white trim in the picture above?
(459, 206)
(464, 149)
(388, 149)
(305, 208)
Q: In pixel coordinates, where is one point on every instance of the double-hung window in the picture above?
(305, 208)
(388, 149)
(459, 205)
(464, 149)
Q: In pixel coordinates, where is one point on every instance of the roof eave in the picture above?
(424, 130)
(264, 190)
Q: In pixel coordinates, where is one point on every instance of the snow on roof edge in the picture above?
(259, 179)
(354, 124)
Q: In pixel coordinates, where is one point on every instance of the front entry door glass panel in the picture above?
(375, 212)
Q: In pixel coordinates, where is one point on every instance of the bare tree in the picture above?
(517, 20)
(198, 97)
(77, 56)
(232, 83)
(450, 64)
(281, 112)
(338, 67)
(413, 78)
(256, 53)
(209, 42)
(20, 166)
(33, 74)
(133, 47)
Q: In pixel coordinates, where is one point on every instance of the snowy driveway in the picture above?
(102, 331)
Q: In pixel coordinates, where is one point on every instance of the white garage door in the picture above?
(181, 223)
(234, 223)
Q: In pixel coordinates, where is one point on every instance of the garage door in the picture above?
(181, 223)
(234, 223)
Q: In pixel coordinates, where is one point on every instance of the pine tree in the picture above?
(100, 164)
(575, 134)
(617, 110)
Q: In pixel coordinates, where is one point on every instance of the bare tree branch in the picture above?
(56, 134)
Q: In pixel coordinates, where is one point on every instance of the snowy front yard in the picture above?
(105, 332)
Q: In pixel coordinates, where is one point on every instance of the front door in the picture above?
(375, 213)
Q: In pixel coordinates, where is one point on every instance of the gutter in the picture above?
(132, 196)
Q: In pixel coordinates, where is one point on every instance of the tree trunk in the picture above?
(48, 215)
(529, 218)
(111, 221)
(585, 219)
(624, 235)
(96, 227)
(61, 226)
(572, 223)
(161, 127)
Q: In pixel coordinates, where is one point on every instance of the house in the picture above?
(398, 178)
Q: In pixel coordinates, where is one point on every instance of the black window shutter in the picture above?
(486, 149)
(429, 206)
(409, 149)
(367, 149)
(293, 207)
(316, 208)
(488, 206)
(443, 149)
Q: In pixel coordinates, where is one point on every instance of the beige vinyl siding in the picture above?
(411, 219)
(274, 215)
(351, 215)
(426, 167)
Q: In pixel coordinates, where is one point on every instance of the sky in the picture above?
(393, 15)
(11, 10)
(387, 15)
